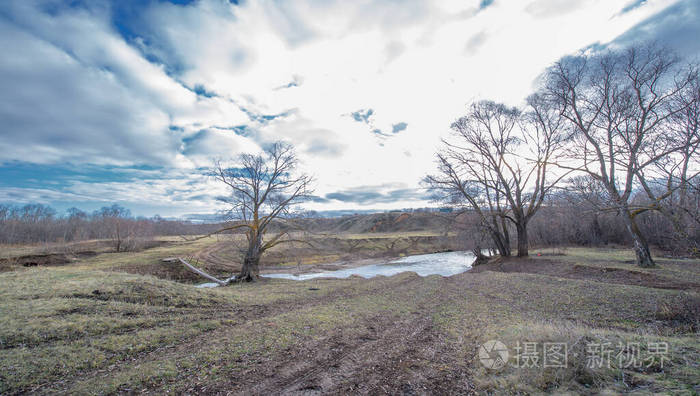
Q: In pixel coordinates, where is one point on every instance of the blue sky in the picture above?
(129, 101)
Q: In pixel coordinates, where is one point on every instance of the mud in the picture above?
(43, 260)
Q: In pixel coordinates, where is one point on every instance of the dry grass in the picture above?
(90, 327)
(683, 310)
(681, 269)
(584, 374)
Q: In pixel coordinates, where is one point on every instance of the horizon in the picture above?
(212, 218)
(129, 102)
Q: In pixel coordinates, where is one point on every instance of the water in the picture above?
(445, 264)
(210, 284)
(207, 285)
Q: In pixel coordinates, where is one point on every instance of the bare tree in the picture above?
(32, 223)
(263, 191)
(620, 105)
(668, 180)
(473, 236)
(498, 163)
(116, 223)
(686, 133)
(75, 225)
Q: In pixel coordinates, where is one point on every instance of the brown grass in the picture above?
(91, 327)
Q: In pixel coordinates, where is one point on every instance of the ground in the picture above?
(111, 323)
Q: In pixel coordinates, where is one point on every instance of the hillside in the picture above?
(386, 222)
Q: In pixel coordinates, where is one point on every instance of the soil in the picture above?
(36, 260)
(388, 358)
(389, 354)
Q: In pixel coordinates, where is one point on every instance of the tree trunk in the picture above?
(641, 246)
(501, 245)
(506, 236)
(500, 236)
(522, 240)
(480, 257)
(198, 271)
(250, 270)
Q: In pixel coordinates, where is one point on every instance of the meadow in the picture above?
(129, 323)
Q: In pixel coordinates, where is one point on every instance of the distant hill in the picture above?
(383, 222)
(360, 223)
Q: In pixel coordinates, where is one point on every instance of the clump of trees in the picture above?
(568, 219)
(39, 223)
(617, 131)
(626, 110)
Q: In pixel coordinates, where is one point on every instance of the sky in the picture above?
(130, 101)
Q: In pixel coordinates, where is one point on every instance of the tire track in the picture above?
(246, 314)
(396, 355)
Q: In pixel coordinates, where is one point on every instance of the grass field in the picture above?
(110, 324)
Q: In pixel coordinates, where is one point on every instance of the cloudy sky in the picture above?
(128, 101)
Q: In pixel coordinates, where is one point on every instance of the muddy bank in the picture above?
(43, 260)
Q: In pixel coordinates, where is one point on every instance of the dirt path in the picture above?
(393, 355)
(212, 255)
(386, 332)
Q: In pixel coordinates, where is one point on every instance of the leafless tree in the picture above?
(668, 180)
(38, 223)
(498, 163)
(473, 236)
(119, 226)
(263, 191)
(76, 221)
(621, 105)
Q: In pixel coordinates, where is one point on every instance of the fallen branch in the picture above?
(204, 274)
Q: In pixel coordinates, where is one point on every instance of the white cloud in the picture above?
(75, 90)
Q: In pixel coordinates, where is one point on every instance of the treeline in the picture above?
(569, 220)
(38, 223)
(572, 218)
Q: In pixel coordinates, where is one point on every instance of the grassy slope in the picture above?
(86, 329)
